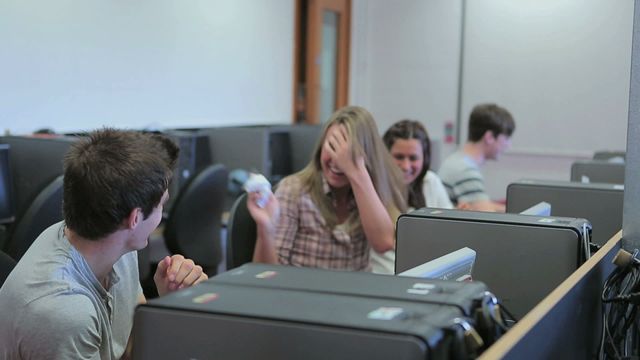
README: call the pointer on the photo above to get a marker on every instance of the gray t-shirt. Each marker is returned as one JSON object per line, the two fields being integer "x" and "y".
{"x": 53, "y": 306}
{"x": 462, "y": 178}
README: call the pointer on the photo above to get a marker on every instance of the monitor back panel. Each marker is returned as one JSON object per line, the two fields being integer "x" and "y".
{"x": 303, "y": 140}
{"x": 237, "y": 322}
{"x": 194, "y": 156}
{"x": 520, "y": 263}
{"x": 597, "y": 171}
{"x": 458, "y": 294}
{"x": 35, "y": 162}
{"x": 279, "y": 161}
{"x": 601, "y": 204}
{"x": 240, "y": 147}
{"x": 609, "y": 154}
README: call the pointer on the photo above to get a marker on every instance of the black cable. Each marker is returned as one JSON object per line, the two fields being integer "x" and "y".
{"x": 620, "y": 316}
{"x": 511, "y": 316}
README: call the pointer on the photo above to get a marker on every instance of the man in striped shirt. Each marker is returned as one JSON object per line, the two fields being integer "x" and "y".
{"x": 490, "y": 130}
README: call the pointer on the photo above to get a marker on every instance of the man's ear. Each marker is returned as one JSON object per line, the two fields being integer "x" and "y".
{"x": 134, "y": 218}
{"x": 488, "y": 137}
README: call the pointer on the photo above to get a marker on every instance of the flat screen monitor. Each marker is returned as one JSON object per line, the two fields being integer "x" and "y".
{"x": 320, "y": 314}
{"x": 457, "y": 265}
{"x": 35, "y": 162}
{"x": 279, "y": 162}
{"x": 540, "y": 209}
{"x": 521, "y": 258}
{"x": 598, "y": 171}
{"x": 609, "y": 154}
{"x": 302, "y": 141}
{"x": 601, "y": 204}
{"x": 7, "y": 206}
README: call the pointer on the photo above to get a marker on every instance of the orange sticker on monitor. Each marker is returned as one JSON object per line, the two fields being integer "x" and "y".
{"x": 266, "y": 274}
{"x": 205, "y": 298}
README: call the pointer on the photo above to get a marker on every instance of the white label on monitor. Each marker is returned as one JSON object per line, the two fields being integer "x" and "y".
{"x": 385, "y": 313}
{"x": 418, "y": 291}
{"x": 547, "y": 220}
{"x": 423, "y": 286}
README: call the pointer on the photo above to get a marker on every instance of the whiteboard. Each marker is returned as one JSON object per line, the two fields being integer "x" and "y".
{"x": 561, "y": 67}
{"x": 76, "y": 64}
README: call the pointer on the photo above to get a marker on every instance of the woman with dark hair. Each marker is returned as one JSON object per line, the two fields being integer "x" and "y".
{"x": 410, "y": 147}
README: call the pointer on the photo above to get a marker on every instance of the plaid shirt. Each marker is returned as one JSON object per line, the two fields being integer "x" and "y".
{"x": 303, "y": 238}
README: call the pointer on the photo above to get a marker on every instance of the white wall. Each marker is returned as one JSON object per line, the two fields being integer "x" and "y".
{"x": 560, "y": 66}
{"x": 74, "y": 64}
{"x": 405, "y": 60}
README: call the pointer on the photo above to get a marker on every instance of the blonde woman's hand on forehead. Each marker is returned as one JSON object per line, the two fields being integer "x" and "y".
{"x": 338, "y": 145}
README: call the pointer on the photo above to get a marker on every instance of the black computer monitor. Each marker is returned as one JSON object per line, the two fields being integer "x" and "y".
{"x": 597, "y": 171}
{"x": 35, "y": 162}
{"x": 303, "y": 139}
{"x": 194, "y": 156}
{"x": 7, "y": 205}
{"x": 521, "y": 258}
{"x": 279, "y": 161}
{"x": 609, "y": 154}
{"x": 601, "y": 204}
{"x": 320, "y": 314}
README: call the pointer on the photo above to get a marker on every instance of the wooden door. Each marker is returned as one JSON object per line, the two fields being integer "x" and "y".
{"x": 322, "y": 59}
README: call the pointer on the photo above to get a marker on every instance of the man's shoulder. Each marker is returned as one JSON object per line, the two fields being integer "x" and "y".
{"x": 66, "y": 310}
{"x": 59, "y": 325}
{"x": 457, "y": 159}
{"x": 455, "y": 166}
{"x": 45, "y": 285}
{"x": 59, "y": 312}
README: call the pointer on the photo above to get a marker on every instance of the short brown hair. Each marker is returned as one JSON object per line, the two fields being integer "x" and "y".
{"x": 490, "y": 117}
{"x": 109, "y": 173}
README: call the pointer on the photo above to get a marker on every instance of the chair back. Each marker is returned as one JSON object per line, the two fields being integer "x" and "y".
{"x": 6, "y": 265}
{"x": 193, "y": 226}
{"x": 241, "y": 234}
{"x": 44, "y": 211}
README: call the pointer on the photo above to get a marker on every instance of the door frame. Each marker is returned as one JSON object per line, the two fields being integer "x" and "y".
{"x": 307, "y": 48}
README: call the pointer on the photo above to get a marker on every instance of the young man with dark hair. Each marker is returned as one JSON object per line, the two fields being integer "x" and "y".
{"x": 490, "y": 130}
{"x": 73, "y": 294}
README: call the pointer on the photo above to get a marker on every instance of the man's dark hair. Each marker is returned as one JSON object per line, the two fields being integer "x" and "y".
{"x": 109, "y": 173}
{"x": 490, "y": 117}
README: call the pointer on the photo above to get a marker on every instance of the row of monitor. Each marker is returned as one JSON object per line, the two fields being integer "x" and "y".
{"x": 34, "y": 162}
{"x": 28, "y": 164}
{"x": 275, "y": 151}
{"x": 598, "y": 171}
{"x": 521, "y": 255}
